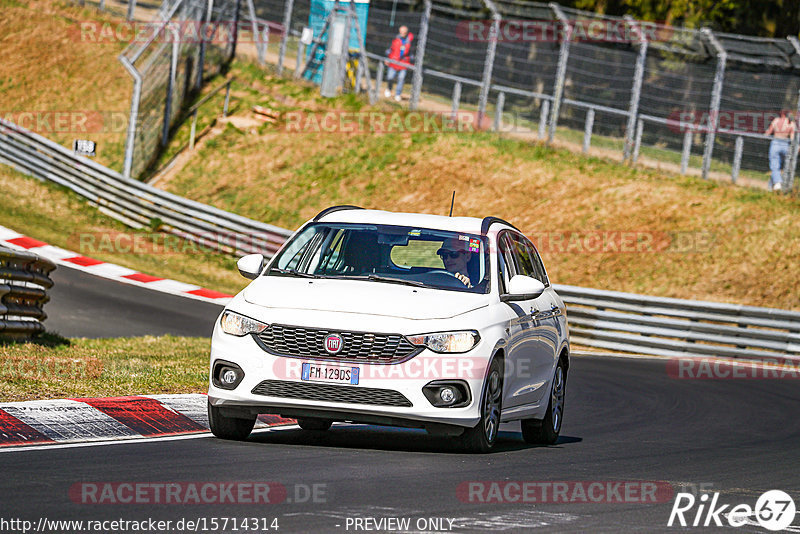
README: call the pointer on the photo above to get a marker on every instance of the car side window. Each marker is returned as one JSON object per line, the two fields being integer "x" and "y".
{"x": 508, "y": 267}
{"x": 528, "y": 259}
{"x": 538, "y": 265}
{"x": 523, "y": 257}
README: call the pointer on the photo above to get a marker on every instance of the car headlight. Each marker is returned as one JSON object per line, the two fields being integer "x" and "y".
{"x": 447, "y": 341}
{"x": 238, "y": 325}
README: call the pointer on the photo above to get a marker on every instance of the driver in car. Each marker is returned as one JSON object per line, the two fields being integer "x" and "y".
{"x": 456, "y": 256}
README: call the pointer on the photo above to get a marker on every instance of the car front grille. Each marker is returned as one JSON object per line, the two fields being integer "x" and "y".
{"x": 329, "y": 393}
{"x": 357, "y": 347}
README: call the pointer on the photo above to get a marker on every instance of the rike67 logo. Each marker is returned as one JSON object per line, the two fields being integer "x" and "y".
{"x": 774, "y": 510}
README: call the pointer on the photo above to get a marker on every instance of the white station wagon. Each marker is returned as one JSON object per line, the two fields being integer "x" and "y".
{"x": 443, "y": 323}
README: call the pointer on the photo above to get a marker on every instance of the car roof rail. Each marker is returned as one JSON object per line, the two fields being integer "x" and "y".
{"x": 332, "y": 209}
{"x": 488, "y": 221}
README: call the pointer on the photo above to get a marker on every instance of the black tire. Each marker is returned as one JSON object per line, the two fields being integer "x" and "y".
{"x": 311, "y": 423}
{"x": 225, "y": 427}
{"x": 482, "y": 437}
{"x": 545, "y": 431}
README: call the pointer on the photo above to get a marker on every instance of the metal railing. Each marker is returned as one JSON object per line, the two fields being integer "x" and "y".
{"x": 625, "y": 90}
{"x": 661, "y": 326}
{"x": 132, "y": 202}
{"x": 24, "y": 281}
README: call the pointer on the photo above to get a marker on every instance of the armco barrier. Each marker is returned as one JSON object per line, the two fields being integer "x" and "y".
{"x": 24, "y": 282}
{"x": 675, "y": 327}
{"x": 132, "y": 202}
{"x": 604, "y": 319}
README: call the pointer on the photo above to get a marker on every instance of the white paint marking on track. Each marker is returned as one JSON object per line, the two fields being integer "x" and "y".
{"x": 132, "y": 440}
{"x": 68, "y": 420}
{"x": 192, "y": 405}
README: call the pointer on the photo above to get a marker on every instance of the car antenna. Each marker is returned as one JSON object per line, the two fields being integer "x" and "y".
{"x": 452, "y": 201}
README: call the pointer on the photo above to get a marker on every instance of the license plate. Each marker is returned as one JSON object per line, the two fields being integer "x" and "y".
{"x": 313, "y": 372}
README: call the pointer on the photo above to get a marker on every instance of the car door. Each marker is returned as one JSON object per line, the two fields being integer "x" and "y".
{"x": 546, "y": 312}
{"x": 523, "y": 348}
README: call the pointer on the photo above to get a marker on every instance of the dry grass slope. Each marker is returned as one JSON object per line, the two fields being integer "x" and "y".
{"x": 698, "y": 239}
{"x": 46, "y": 66}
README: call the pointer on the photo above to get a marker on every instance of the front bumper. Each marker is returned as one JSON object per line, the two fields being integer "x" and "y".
{"x": 407, "y": 379}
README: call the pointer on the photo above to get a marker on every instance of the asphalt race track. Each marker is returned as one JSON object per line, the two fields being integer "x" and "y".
{"x": 83, "y": 305}
{"x": 626, "y": 420}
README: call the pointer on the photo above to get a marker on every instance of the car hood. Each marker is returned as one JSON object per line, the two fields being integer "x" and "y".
{"x": 361, "y": 297}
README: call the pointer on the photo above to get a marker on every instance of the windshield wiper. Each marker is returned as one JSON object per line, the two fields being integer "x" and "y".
{"x": 387, "y": 279}
{"x": 290, "y": 272}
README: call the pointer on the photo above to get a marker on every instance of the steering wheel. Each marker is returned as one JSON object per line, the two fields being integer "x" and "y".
{"x": 444, "y": 271}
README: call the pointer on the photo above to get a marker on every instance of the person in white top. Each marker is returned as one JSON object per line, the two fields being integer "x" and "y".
{"x": 781, "y": 129}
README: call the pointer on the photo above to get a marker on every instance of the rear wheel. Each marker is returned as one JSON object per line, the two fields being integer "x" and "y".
{"x": 546, "y": 431}
{"x": 311, "y": 423}
{"x": 226, "y": 427}
{"x": 482, "y": 437}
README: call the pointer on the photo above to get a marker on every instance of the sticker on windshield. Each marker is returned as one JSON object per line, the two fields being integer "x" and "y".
{"x": 474, "y": 245}
{"x": 463, "y": 238}
{"x": 415, "y": 232}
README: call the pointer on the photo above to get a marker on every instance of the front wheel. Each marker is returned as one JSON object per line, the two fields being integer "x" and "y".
{"x": 225, "y": 427}
{"x": 546, "y": 431}
{"x": 483, "y": 436}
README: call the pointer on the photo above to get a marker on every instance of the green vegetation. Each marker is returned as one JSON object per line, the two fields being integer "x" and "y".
{"x": 54, "y": 367}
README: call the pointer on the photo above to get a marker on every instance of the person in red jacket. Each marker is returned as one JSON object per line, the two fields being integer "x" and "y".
{"x": 400, "y": 51}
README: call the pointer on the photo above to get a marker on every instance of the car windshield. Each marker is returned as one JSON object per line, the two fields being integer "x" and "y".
{"x": 390, "y": 254}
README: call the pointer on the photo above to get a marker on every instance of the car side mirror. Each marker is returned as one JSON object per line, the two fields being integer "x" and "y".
{"x": 250, "y": 266}
{"x": 522, "y": 287}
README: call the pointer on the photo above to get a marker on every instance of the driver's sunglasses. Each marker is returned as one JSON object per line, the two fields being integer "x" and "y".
{"x": 451, "y": 254}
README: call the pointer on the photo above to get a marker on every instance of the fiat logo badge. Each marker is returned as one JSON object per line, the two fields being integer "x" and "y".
{"x": 334, "y": 343}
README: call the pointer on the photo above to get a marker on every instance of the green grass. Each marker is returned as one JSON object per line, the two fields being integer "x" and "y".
{"x": 53, "y": 367}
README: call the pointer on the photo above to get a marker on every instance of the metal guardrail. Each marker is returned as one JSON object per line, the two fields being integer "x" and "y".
{"x": 661, "y": 326}
{"x": 134, "y": 203}
{"x": 24, "y": 281}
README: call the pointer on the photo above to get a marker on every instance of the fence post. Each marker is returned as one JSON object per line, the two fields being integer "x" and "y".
{"x": 737, "y": 158}
{"x": 193, "y": 131}
{"x": 416, "y": 87}
{"x": 301, "y": 51}
{"x": 287, "y": 25}
{"x": 686, "y": 150}
{"x": 587, "y": 130}
{"x": 488, "y": 64}
{"x": 133, "y": 118}
{"x": 544, "y": 110}
{"x": 638, "y": 142}
{"x": 235, "y": 29}
{"x": 561, "y": 71}
{"x": 131, "y": 9}
{"x": 716, "y": 95}
{"x": 102, "y": 5}
{"x": 791, "y": 168}
{"x": 173, "y": 70}
{"x": 498, "y": 111}
{"x": 636, "y": 91}
{"x": 227, "y": 99}
{"x": 378, "y": 80}
{"x": 198, "y": 82}
{"x": 456, "y": 98}
{"x": 256, "y": 34}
